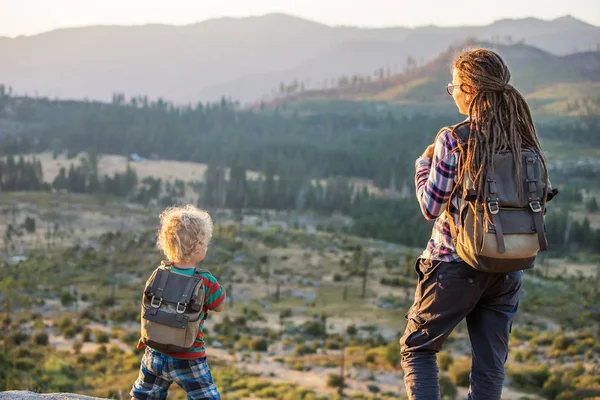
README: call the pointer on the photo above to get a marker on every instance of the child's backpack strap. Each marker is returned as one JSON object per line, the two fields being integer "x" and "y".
{"x": 159, "y": 283}
{"x": 198, "y": 301}
{"x": 199, "y": 271}
{"x": 186, "y": 296}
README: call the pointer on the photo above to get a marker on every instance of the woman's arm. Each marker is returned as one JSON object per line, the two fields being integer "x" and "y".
{"x": 434, "y": 177}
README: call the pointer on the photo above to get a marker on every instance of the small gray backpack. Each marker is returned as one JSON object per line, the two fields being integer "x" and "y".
{"x": 511, "y": 238}
{"x": 172, "y": 309}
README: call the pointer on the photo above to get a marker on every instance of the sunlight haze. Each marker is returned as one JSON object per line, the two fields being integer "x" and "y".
{"x": 28, "y": 17}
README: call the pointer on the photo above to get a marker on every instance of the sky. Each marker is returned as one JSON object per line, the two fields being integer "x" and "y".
{"x": 27, "y": 17}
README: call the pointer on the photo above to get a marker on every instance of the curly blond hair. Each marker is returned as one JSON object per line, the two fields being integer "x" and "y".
{"x": 183, "y": 232}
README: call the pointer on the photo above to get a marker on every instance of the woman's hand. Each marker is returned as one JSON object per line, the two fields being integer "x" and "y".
{"x": 428, "y": 153}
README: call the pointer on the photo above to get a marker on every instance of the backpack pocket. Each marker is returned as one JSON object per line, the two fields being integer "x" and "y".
{"x": 519, "y": 235}
{"x": 477, "y": 244}
{"x": 166, "y": 330}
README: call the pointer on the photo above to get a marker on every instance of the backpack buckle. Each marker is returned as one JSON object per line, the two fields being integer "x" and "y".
{"x": 494, "y": 206}
{"x": 180, "y": 310}
{"x": 155, "y": 305}
{"x": 536, "y": 207}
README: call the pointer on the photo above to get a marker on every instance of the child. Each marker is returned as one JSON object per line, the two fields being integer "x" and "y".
{"x": 183, "y": 238}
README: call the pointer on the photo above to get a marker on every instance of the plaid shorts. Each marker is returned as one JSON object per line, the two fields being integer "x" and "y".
{"x": 158, "y": 371}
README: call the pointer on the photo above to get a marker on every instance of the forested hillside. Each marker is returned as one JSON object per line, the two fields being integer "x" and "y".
{"x": 305, "y": 159}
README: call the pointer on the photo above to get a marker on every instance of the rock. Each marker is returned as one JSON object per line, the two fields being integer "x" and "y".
{"x": 23, "y": 395}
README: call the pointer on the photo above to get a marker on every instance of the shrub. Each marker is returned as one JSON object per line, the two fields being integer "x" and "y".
{"x": 351, "y": 330}
{"x": 29, "y": 224}
{"x": 529, "y": 378}
{"x": 518, "y": 356}
{"x": 447, "y": 388}
{"x": 561, "y": 342}
{"x": 373, "y": 388}
{"x": 86, "y": 335}
{"x": 392, "y": 354}
{"x": 67, "y": 298}
{"x": 17, "y": 338}
{"x": 25, "y": 364}
{"x": 130, "y": 337}
{"x": 77, "y": 345}
{"x": 396, "y": 281}
{"x": 444, "y": 360}
{"x": 298, "y": 366}
{"x": 102, "y": 337}
{"x": 459, "y": 372}
{"x": 522, "y": 334}
{"x": 313, "y": 328}
{"x": 544, "y": 339}
{"x": 63, "y": 323}
{"x": 553, "y": 386}
{"x": 70, "y": 332}
{"x": 243, "y": 343}
{"x": 259, "y": 344}
{"x": 334, "y": 381}
{"x": 303, "y": 349}
{"x": 285, "y": 313}
{"x": 371, "y": 357}
{"x": 40, "y": 338}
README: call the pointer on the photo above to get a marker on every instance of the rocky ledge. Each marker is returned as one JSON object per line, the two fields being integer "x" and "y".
{"x": 22, "y": 395}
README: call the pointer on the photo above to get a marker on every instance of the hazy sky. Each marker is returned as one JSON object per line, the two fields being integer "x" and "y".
{"x": 26, "y": 17}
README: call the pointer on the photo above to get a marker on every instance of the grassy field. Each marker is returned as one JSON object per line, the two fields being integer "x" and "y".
{"x": 319, "y": 307}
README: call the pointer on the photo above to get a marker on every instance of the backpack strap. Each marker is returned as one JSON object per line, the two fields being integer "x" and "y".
{"x": 535, "y": 203}
{"x": 158, "y": 286}
{"x": 494, "y": 209}
{"x": 186, "y": 295}
{"x": 450, "y": 219}
{"x": 199, "y": 271}
{"x": 462, "y": 132}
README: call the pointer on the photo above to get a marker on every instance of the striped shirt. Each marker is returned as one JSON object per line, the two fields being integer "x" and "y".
{"x": 434, "y": 188}
{"x": 214, "y": 295}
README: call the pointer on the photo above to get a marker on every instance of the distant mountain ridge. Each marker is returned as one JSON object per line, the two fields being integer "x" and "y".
{"x": 555, "y": 81}
{"x": 243, "y": 58}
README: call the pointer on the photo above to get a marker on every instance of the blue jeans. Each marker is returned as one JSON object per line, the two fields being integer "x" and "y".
{"x": 446, "y": 294}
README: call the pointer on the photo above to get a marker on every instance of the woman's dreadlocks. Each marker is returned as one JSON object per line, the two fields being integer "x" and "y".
{"x": 500, "y": 119}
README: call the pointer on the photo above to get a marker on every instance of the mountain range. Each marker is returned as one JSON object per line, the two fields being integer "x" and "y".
{"x": 246, "y": 59}
{"x": 536, "y": 73}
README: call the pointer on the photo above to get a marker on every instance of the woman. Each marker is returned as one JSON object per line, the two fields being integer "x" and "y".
{"x": 448, "y": 289}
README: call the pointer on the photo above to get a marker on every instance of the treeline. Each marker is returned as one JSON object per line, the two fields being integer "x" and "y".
{"x": 310, "y": 145}
{"x": 83, "y": 178}
{"x": 582, "y": 129}
{"x": 26, "y": 175}
{"x": 21, "y": 175}
{"x": 387, "y": 218}
{"x": 317, "y": 145}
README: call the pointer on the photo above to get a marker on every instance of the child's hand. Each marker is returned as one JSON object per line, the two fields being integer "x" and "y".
{"x": 220, "y": 308}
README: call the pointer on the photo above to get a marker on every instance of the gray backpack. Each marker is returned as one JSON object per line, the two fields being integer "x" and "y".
{"x": 172, "y": 307}
{"x": 515, "y": 234}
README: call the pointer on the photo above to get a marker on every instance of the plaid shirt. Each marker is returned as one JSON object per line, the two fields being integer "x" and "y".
{"x": 434, "y": 187}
